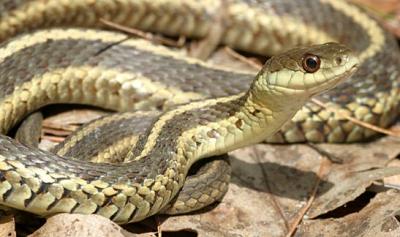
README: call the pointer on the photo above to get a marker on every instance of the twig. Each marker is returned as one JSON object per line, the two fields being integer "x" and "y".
{"x": 303, "y": 211}
{"x": 242, "y": 58}
{"x": 331, "y": 157}
{"x": 56, "y": 132}
{"x": 53, "y": 138}
{"x": 258, "y": 157}
{"x": 154, "y": 38}
{"x": 357, "y": 121}
{"x": 54, "y": 126}
{"x": 159, "y": 229}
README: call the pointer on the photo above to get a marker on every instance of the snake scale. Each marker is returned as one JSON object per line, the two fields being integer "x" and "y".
{"x": 219, "y": 110}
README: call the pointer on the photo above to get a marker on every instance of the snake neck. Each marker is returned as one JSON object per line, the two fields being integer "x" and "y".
{"x": 250, "y": 119}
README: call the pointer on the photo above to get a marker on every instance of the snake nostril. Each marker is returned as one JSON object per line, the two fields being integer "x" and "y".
{"x": 338, "y": 60}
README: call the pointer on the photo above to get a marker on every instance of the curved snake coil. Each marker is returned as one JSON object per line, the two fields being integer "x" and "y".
{"x": 111, "y": 70}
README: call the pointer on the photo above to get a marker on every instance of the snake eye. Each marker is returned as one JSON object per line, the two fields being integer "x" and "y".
{"x": 311, "y": 63}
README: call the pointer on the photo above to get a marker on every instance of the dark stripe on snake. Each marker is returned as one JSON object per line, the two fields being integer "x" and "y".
{"x": 187, "y": 77}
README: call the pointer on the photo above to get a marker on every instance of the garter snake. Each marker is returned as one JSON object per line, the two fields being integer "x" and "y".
{"x": 113, "y": 71}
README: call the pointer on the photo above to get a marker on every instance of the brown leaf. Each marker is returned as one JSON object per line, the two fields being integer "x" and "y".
{"x": 242, "y": 213}
{"x": 393, "y": 180}
{"x": 7, "y": 227}
{"x": 75, "y": 116}
{"x": 348, "y": 186}
{"x": 63, "y": 122}
{"x": 383, "y": 6}
{"x": 378, "y": 218}
{"x": 362, "y": 164}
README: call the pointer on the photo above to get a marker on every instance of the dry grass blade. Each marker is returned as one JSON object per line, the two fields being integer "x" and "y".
{"x": 258, "y": 157}
{"x": 56, "y": 133}
{"x": 144, "y": 35}
{"x": 67, "y": 127}
{"x": 243, "y": 58}
{"x": 53, "y": 138}
{"x": 321, "y": 173}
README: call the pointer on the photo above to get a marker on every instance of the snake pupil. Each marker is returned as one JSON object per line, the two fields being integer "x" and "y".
{"x": 311, "y": 63}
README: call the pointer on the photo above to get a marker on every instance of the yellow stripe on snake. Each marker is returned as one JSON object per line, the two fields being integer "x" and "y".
{"x": 221, "y": 110}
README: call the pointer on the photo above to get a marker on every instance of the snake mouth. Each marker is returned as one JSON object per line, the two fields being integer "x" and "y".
{"x": 334, "y": 81}
{"x": 319, "y": 87}
{"x": 347, "y": 74}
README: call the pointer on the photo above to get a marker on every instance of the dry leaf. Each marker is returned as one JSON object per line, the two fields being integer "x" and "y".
{"x": 362, "y": 164}
{"x": 378, "y": 218}
{"x": 75, "y": 116}
{"x": 393, "y": 180}
{"x": 7, "y": 227}
{"x": 383, "y": 6}
{"x": 349, "y": 185}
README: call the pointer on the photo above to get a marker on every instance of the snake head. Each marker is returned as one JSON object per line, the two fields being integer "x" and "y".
{"x": 305, "y": 71}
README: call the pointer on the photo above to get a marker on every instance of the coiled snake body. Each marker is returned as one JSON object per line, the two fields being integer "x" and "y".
{"x": 113, "y": 71}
